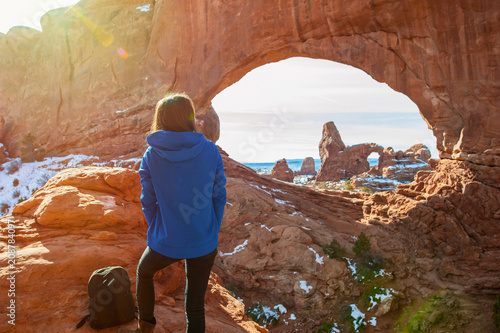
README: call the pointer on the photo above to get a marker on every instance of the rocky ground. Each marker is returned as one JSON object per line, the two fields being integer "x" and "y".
{"x": 272, "y": 254}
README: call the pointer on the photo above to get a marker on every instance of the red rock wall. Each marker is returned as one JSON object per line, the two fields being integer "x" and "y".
{"x": 444, "y": 55}
{"x": 65, "y": 85}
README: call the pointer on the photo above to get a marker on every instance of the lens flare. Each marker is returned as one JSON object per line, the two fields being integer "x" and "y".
{"x": 103, "y": 36}
{"x": 122, "y": 52}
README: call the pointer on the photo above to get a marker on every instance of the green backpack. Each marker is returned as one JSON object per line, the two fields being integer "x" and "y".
{"x": 110, "y": 300}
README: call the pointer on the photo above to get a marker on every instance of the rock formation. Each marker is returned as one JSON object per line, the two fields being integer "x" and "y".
{"x": 440, "y": 231}
{"x": 81, "y": 220}
{"x": 270, "y": 246}
{"x": 394, "y": 168}
{"x": 340, "y": 162}
{"x": 453, "y": 217}
{"x": 308, "y": 167}
{"x": 331, "y": 143}
{"x": 262, "y": 215}
{"x": 440, "y": 54}
{"x": 281, "y": 171}
{"x": 209, "y": 123}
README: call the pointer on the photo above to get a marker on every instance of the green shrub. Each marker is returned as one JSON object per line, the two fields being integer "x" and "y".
{"x": 334, "y": 250}
{"x": 366, "y": 189}
{"x": 371, "y": 261}
{"x": 369, "y": 267}
{"x": 348, "y": 185}
{"x": 327, "y": 327}
{"x": 362, "y": 245}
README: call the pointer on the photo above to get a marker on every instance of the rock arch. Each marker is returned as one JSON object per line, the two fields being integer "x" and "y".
{"x": 434, "y": 52}
{"x": 441, "y": 54}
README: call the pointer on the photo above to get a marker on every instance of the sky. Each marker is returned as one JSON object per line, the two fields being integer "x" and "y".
{"x": 27, "y": 12}
{"x": 278, "y": 110}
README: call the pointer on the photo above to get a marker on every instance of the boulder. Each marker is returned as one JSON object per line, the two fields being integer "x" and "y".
{"x": 81, "y": 220}
{"x": 403, "y": 166}
{"x": 281, "y": 171}
{"x": 420, "y": 151}
{"x": 208, "y": 124}
{"x": 308, "y": 167}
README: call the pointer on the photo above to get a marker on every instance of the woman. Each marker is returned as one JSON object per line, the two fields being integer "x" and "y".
{"x": 183, "y": 198}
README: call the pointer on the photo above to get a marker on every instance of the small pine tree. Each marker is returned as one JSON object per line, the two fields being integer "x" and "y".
{"x": 334, "y": 250}
{"x": 362, "y": 245}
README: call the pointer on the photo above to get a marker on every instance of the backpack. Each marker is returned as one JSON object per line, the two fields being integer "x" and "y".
{"x": 110, "y": 300}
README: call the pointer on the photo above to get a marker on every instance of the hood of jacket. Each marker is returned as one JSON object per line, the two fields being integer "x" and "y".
{"x": 177, "y": 146}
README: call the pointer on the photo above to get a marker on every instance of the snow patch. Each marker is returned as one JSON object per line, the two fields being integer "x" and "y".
{"x": 305, "y": 228}
{"x": 358, "y": 316}
{"x": 29, "y": 177}
{"x": 280, "y": 308}
{"x": 351, "y": 265}
{"x": 144, "y": 8}
{"x": 335, "y": 328}
{"x": 108, "y": 202}
{"x": 409, "y": 166}
{"x": 380, "y": 297}
{"x": 237, "y": 249}
{"x": 319, "y": 259}
{"x": 264, "y": 226}
{"x": 261, "y": 188}
{"x": 304, "y": 286}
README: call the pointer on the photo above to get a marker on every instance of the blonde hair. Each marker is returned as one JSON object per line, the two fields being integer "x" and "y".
{"x": 175, "y": 113}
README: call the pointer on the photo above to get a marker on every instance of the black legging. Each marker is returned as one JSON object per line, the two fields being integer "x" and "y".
{"x": 197, "y": 274}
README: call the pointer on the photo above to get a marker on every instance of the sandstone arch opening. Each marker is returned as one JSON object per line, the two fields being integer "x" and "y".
{"x": 278, "y": 110}
{"x": 373, "y": 158}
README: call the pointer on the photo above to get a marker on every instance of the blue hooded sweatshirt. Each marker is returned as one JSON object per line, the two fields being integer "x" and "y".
{"x": 183, "y": 194}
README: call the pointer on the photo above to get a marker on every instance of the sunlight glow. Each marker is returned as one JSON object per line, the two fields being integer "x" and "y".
{"x": 102, "y": 35}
